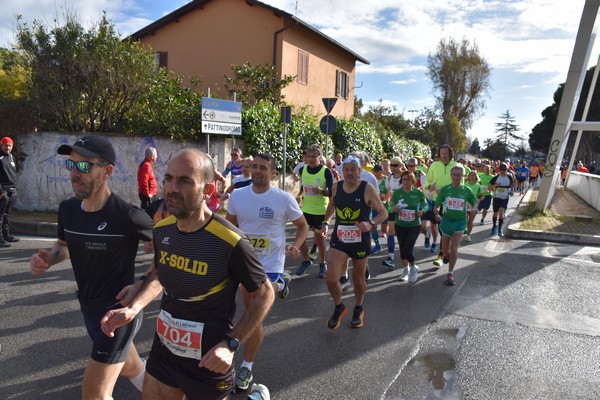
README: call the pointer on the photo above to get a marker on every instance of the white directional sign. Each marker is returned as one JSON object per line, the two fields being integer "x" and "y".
{"x": 221, "y": 116}
{"x": 221, "y": 127}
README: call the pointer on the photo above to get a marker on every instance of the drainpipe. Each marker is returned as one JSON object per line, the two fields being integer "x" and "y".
{"x": 277, "y": 32}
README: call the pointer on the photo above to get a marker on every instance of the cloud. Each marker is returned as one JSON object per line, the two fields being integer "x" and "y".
{"x": 403, "y": 82}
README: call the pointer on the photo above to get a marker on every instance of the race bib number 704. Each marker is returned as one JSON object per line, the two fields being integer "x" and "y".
{"x": 180, "y": 336}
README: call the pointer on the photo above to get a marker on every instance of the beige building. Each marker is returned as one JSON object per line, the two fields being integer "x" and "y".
{"x": 205, "y": 37}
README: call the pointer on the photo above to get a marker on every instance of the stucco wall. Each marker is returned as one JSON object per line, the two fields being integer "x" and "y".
{"x": 43, "y": 180}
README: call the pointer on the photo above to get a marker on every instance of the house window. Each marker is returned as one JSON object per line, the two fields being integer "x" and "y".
{"x": 160, "y": 58}
{"x": 341, "y": 84}
{"x": 302, "y": 76}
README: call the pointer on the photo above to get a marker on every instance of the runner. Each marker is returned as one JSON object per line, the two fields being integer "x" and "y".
{"x": 200, "y": 260}
{"x": 100, "y": 233}
{"x": 454, "y": 199}
{"x": 407, "y": 205}
{"x": 352, "y": 201}
{"x": 501, "y": 186}
{"x": 522, "y": 175}
{"x": 477, "y": 190}
{"x": 485, "y": 178}
{"x": 262, "y": 212}
{"x": 393, "y": 183}
{"x": 317, "y": 180}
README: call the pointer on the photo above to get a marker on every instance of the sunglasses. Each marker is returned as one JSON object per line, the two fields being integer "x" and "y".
{"x": 234, "y": 154}
{"x": 83, "y": 166}
{"x": 411, "y": 165}
{"x": 394, "y": 165}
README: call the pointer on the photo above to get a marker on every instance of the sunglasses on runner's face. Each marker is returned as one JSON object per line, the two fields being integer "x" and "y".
{"x": 394, "y": 165}
{"x": 83, "y": 166}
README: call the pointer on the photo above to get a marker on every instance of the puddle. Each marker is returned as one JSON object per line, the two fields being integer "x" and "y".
{"x": 440, "y": 369}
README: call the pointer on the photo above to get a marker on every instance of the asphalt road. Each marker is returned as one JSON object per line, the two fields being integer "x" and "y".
{"x": 523, "y": 322}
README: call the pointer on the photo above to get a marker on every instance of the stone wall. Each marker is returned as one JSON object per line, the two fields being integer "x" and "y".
{"x": 43, "y": 180}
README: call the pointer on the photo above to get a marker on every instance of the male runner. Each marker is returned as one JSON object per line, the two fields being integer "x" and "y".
{"x": 352, "y": 202}
{"x": 317, "y": 180}
{"x": 501, "y": 185}
{"x": 100, "y": 233}
{"x": 200, "y": 260}
{"x": 262, "y": 211}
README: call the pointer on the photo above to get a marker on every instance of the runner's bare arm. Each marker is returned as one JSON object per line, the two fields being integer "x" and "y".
{"x": 116, "y": 318}
{"x": 41, "y": 261}
{"x": 330, "y": 210}
{"x": 220, "y": 358}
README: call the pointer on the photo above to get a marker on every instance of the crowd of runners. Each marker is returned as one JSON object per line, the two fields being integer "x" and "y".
{"x": 201, "y": 259}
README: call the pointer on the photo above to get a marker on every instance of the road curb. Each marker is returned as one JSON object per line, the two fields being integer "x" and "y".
{"x": 44, "y": 229}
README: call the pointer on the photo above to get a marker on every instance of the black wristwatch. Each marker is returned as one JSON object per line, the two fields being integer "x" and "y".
{"x": 372, "y": 222}
{"x": 232, "y": 343}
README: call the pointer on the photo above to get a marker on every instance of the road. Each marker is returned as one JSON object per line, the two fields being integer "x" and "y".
{"x": 522, "y": 323}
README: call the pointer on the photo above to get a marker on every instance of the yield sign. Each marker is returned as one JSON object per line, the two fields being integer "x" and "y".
{"x": 329, "y": 102}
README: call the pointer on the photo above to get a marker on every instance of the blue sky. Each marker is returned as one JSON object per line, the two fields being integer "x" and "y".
{"x": 528, "y": 43}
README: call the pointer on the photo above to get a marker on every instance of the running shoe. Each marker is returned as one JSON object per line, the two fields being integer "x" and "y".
{"x": 344, "y": 281}
{"x": 339, "y": 313}
{"x": 244, "y": 378}
{"x": 259, "y": 392}
{"x": 445, "y": 260}
{"x": 312, "y": 255}
{"x": 412, "y": 277}
{"x": 494, "y": 230}
{"x": 482, "y": 222}
{"x": 303, "y": 267}
{"x": 468, "y": 238}
{"x": 358, "y": 317}
{"x": 383, "y": 234}
{"x": 427, "y": 240}
{"x": 376, "y": 248}
{"x": 438, "y": 262}
{"x": 500, "y": 233}
{"x": 286, "y": 286}
{"x": 404, "y": 276}
{"x": 322, "y": 270}
{"x": 389, "y": 262}
{"x": 450, "y": 280}
{"x": 367, "y": 274}
{"x": 434, "y": 248}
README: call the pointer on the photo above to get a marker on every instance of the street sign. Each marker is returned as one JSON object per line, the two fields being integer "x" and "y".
{"x": 221, "y": 127}
{"x": 221, "y": 116}
{"x": 328, "y": 124}
{"x": 329, "y": 102}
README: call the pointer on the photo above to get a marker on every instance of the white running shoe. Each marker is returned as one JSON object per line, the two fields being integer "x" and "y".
{"x": 404, "y": 276}
{"x": 259, "y": 392}
{"x": 414, "y": 270}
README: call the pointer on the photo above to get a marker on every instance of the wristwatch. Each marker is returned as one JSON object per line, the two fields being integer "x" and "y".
{"x": 232, "y": 343}
{"x": 372, "y": 222}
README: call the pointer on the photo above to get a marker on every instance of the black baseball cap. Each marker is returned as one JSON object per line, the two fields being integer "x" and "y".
{"x": 503, "y": 167}
{"x": 91, "y": 146}
{"x": 377, "y": 167}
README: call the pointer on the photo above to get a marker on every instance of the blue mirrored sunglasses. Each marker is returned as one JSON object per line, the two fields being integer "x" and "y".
{"x": 82, "y": 166}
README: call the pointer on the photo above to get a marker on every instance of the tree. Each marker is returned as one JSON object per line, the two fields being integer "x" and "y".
{"x": 83, "y": 80}
{"x": 255, "y": 83}
{"x": 475, "y": 147}
{"x": 461, "y": 80}
{"x": 15, "y": 107}
{"x": 507, "y": 132}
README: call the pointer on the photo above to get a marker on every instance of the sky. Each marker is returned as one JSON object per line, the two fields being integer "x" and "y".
{"x": 527, "y": 43}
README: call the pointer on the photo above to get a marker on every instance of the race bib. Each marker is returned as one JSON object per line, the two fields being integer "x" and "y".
{"x": 455, "y": 204}
{"x": 349, "y": 234}
{"x": 406, "y": 215}
{"x": 500, "y": 190}
{"x": 261, "y": 244}
{"x": 182, "y": 337}
{"x": 311, "y": 190}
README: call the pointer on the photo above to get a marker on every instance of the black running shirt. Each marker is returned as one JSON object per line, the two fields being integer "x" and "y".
{"x": 200, "y": 273}
{"x": 102, "y": 246}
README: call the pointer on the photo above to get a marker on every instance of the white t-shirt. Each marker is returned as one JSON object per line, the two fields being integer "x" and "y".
{"x": 263, "y": 218}
{"x": 392, "y": 183}
{"x": 370, "y": 178}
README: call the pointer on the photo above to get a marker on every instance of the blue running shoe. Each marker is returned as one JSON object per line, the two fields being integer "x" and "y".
{"x": 500, "y": 233}
{"x": 494, "y": 230}
{"x": 427, "y": 240}
{"x": 434, "y": 248}
{"x": 389, "y": 262}
{"x": 376, "y": 248}
{"x": 303, "y": 267}
{"x": 322, "y": 270}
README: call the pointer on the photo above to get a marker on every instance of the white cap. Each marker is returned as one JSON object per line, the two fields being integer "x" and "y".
{"x": 352, "y": 160}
